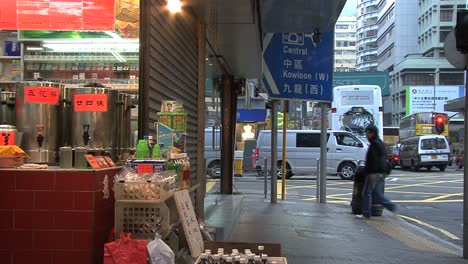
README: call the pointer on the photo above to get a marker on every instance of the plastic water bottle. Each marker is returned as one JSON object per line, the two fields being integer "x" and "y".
{"x": 204, "y": 259}
{"x": 156, "y": 151}
{"x": 250, "y": 259}
{"x": 142, "y": 150}
{"x": 261, "y": 249}
{"x": 265, "y": 259}
{"x": 257, "y": 260}
{"x": 217, "y": 259}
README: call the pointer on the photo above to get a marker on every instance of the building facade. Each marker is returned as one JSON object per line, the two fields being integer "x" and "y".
{"x": 345, "y": 44}
{"x": 367, "y": 27}
{"x": 396, "y": 38}
{"x": 428, "y": 66}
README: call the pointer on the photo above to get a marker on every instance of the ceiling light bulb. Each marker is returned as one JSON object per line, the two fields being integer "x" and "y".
{"x": 174, "y": 6}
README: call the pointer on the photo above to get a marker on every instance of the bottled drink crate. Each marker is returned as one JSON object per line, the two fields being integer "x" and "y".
{"x": 143, "y": 219}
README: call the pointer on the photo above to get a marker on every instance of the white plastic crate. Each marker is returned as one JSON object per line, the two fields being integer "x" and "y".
{"x": 143, "y": 219}
{"x": 153, "y": 191}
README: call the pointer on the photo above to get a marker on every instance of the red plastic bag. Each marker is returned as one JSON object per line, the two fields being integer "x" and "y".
{"x": 127, "y": 251}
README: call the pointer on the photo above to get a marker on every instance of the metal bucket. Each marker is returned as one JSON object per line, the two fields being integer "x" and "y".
{"x": 8, "y": 135}
{"x": 7, "y": 108}
{"x": 38, "y": 122}
{"x": 90, "y": 127}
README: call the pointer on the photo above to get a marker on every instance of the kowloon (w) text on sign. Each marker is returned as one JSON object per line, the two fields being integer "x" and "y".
{"x": 294, "y": 67}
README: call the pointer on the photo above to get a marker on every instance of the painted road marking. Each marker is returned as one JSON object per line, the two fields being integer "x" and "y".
{"x": 443, "y": 197}
{"x": 443, "y": 231}
{"x": 210, "y": 185}
{"x": 392, "y": 179}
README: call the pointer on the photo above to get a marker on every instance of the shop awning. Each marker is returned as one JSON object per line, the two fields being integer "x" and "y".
{"x": 455, "y": 105}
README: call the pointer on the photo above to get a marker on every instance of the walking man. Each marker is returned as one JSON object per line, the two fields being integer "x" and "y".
{"x": 375, "y": 170}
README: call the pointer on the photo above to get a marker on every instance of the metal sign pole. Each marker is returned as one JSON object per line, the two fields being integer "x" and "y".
{"x": 465, "y": 176}
{"x": 323, "y": 153}
{"x": 285, "y": 128}
{"x": 274, "y": 150}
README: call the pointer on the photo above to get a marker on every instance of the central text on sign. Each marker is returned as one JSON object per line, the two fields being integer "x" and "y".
{"x": 295, "y": 50}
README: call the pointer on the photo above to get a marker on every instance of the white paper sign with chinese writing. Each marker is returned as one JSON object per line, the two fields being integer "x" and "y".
{"x": 189, "y": 222}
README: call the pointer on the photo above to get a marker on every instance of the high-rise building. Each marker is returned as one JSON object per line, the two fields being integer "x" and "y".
{"x": 368, "y": 13}
{"x": 428, "y": 66}
{"x": 345, "y": 44}
{"x": 397, "y": 32}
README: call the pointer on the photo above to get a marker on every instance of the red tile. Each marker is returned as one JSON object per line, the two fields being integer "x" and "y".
{"x": 74, "y": 181}
{"x": 72, "y": 257}
{"x": 74, "y": 220}
{"x": 32, "y": 256}
{"x": 6, "y": 220}
{"x": 41, "y": 220}
{"x": 6, "y": 257}
{"x": 16, "y": 239}
{"x": 7, "y": 238}
{"x": 83, "y": 201}
{"x": 54, "y": 200}
{"x": 55, "y": 240}
{"x": 23, "y": 239}
{"x": 104, "y": 218}
{"x": 35, "y": 180}
{"x": 16, "y": 200}
{"x": 83, "y": 240}
{"x": 7, "y": 180}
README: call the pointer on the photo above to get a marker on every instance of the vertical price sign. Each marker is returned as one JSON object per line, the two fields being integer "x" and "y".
{"x": 41, "y": 95}
{"x": 90, "y": 102}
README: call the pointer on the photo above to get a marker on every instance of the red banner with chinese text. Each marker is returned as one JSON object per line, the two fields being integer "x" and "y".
{"x": 57, "y": 14}
{"x": 90, "y": 102}
{"x": 41, "y": 95}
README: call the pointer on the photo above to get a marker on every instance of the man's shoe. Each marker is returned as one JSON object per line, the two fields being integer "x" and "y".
{"x": 362, "y": 216}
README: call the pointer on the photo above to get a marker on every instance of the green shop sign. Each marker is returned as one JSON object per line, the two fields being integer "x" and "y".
{"x": 379, "y": 78}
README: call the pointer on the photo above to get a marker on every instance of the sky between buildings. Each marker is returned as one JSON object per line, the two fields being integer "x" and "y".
{"x": 350, "y": 8}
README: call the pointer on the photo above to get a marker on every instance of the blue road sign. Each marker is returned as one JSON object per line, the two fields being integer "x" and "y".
{"x": 294, "y": 67}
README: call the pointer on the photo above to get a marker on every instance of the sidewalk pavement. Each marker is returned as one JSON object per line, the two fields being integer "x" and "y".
{"x": 325, "y": 233}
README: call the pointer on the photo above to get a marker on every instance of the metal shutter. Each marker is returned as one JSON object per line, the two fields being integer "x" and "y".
{"x": 168, "y": 68}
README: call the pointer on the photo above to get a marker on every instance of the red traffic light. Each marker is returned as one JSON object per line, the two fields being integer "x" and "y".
{"x": 439, "y": 124}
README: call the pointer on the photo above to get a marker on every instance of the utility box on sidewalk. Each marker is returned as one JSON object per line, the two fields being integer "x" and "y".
{"x": 238, "y": 163}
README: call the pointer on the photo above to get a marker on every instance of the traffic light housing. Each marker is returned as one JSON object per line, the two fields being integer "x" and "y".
{"x": 461, "y": 31}
{"x": 439, "y": 124}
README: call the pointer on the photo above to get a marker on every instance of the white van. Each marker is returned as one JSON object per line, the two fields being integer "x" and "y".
{"x": 425, "y": 151}
{"x": 303, "y": 148}
{"x": 213, "y": 152}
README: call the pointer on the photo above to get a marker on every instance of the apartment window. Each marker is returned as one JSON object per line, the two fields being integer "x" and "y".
{"x": 342, "y": 26}
{"x": 446, "y": 15}
{"x": 443, "y": 35}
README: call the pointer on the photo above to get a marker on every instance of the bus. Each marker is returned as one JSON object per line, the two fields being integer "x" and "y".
{"x": 391, "y": 135}
{"x": 421, "y": 124}
{"x": 355, "y": 107}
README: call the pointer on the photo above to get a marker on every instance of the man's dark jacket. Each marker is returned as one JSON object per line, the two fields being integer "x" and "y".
{"x": 376, "y": 157}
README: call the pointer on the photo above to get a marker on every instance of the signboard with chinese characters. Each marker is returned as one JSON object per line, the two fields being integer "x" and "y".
{"x": 295, "y": 67}
{"x": 41, "y": 95}
{"x": 189, "y": 222}
{"x": 90, "y": 102}
{"x": 7, "y": 138}
{"x": 92, "y": 161}
{"x": 57, "y": 15}
{"x": 357, "y": 98}
{"x": 425, "y": 99}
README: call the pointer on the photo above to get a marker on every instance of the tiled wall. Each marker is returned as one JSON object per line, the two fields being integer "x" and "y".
{"x": 54, "y": 217}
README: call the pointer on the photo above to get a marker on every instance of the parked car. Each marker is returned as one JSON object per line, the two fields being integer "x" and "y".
{"x": 344, "y": 150}
{"x": 213, "y": 152}
{"x": 425, "y": 151}
{"x": 393, "y": 155}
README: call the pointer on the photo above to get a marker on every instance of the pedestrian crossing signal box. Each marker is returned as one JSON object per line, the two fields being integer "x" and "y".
{"x": 439, "y": 124}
